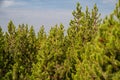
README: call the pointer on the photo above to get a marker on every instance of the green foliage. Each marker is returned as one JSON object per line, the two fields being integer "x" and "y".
{"x": 2, "y": 43}
{"x": 50, "y": 56}
{"x": 117, "y": 11}
{"x": 89, "y": 51}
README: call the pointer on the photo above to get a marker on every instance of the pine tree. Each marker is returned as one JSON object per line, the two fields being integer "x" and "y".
{"x": 31, "y": 53}
{"x": 26, "y": 51}
{"x": 9, "y": 51}
{"x": 50, "y": 57}
{"x": 2, "y": 62}
{"x": 82, "y": 31}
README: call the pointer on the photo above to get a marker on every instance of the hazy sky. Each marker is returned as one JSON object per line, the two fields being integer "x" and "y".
{"x": 46, "y": 12}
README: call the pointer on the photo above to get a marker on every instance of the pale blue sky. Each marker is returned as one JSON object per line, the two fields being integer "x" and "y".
{"x": 46, "y": 12}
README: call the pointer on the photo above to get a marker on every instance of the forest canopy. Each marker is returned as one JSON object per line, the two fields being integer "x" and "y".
{"x": 90, "y": 50}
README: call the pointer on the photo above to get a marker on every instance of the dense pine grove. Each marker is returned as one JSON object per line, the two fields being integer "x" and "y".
{"x": 90, "y": 50}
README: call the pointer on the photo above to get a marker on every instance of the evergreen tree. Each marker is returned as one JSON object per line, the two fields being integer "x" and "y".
{"x": 50, "y": 57}
{"x": 2, "y": 44}
{"x": 26, "y": 46}
{"x": 9, "y": 52}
